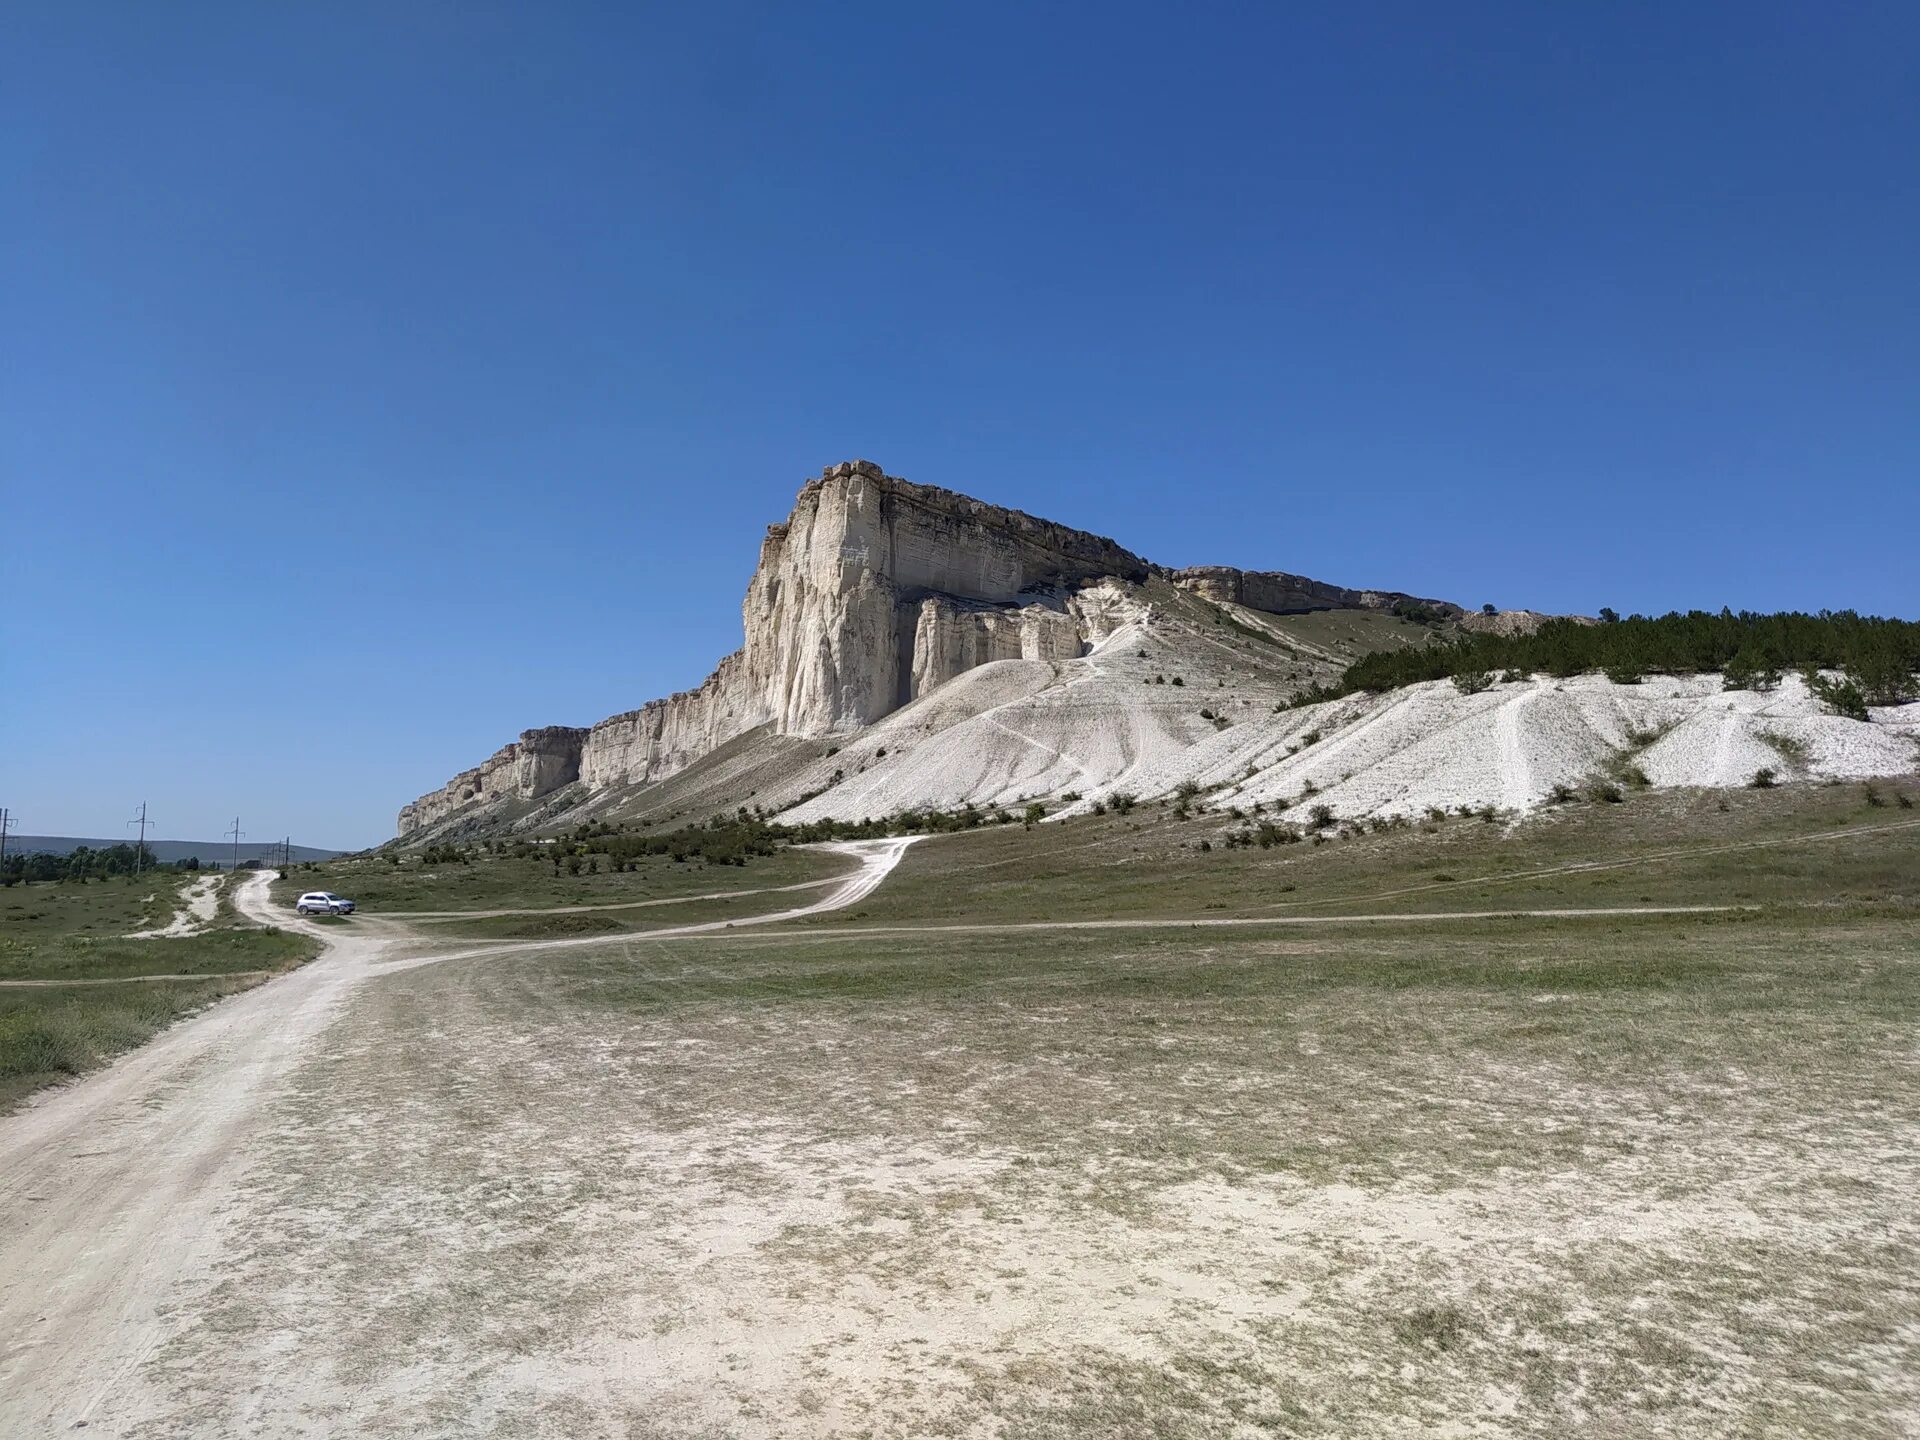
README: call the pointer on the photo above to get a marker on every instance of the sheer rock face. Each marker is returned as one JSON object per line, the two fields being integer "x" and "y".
{"x": 873, "y": 591}
{"x": 538, "y": 763}
{"x": 951, "y": 637}
{"x": 835, "y": 616}
{"x": 1515, "y": 622}
{"x": 1279, "y": 593}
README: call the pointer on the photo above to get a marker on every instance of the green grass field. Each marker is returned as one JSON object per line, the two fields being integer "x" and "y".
{"x": 1657, "y": 848}
{"x": 99, "y": 907}
{"x": 500, "y": 883}
{"x": 74, "y": 992}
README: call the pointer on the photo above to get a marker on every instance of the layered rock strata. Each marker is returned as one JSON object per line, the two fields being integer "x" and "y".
{"x": 537, "y": 764}
{"x": 1279, "y": 593}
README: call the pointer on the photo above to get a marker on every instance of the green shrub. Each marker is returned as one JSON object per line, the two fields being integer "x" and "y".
{"x": 1750, "y": 669}
{"x": 1841, "y": 697}
{"x": 1693, "y": 643}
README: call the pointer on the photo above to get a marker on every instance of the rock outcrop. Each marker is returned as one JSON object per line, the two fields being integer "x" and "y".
{"x": 1514, "y": 622}
{"x": 873, "y": 591}
{"x": 1279, "y": 593}
{"x": 538, "y": 763}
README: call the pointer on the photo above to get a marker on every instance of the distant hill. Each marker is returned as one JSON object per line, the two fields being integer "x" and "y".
{"x": 166, "y": 851}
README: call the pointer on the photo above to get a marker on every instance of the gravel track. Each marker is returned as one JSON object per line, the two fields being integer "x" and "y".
{"x": 117, "y": 1192}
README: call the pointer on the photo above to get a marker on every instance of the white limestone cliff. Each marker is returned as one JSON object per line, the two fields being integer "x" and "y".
{"x": 873, "y": 591}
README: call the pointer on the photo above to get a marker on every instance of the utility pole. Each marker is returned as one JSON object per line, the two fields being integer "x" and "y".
{"x": 236, "y": 833}
{"x": 140, "y": 855}
{"x": 6, "y": 818}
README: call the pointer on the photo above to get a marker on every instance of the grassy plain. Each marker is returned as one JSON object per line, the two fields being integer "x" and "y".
{"x": 1656, "y": 848}
{"x": 75, "y": 992}
{"x": 492, "y": 883}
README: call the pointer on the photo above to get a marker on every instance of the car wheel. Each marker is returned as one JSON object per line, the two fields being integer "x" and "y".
{"x": 301, "y": 908}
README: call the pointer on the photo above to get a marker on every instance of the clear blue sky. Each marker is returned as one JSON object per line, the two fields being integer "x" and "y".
{"x": 382, "y": 379}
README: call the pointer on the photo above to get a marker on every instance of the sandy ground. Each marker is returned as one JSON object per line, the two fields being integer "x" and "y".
{"x": 115, "y": 1192}
{"x": 199, "y": 905}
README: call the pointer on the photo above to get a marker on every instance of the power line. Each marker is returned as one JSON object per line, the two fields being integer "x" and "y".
{"x": 139, "y": 856}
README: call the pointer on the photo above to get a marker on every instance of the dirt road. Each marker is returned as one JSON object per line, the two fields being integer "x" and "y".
{"x": 114, "y": 1193}
{"x": 109, "y": 1189}
{"x": 197, "y": 908}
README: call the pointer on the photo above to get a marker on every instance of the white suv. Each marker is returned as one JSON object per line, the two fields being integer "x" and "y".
{"x": 323, "y": 902}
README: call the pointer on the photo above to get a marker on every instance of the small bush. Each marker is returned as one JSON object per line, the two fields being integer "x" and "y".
{"x": 1605, "y": 792}
{"x": 1436, "y": 1327}
{"x": 1841, "y": 697}
{"x": 1764, "y": 778}
{"x": 1472, "y": 682}
{"x": 1320, "y": 816}
{"x": 1750, "y": 669}
{"x": 1790, "y": 747}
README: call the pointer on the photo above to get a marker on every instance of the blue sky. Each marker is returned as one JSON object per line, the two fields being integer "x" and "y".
{"x": 381, "y": 380}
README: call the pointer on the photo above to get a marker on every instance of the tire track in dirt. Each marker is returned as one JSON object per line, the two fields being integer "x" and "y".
{"x": 620, "y": 905}
{"x": 1225, "y": 922}
{"x": 1516, "y": 776}
{"x": 877, "y": 859}
{"x": 115, "y": 1192}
